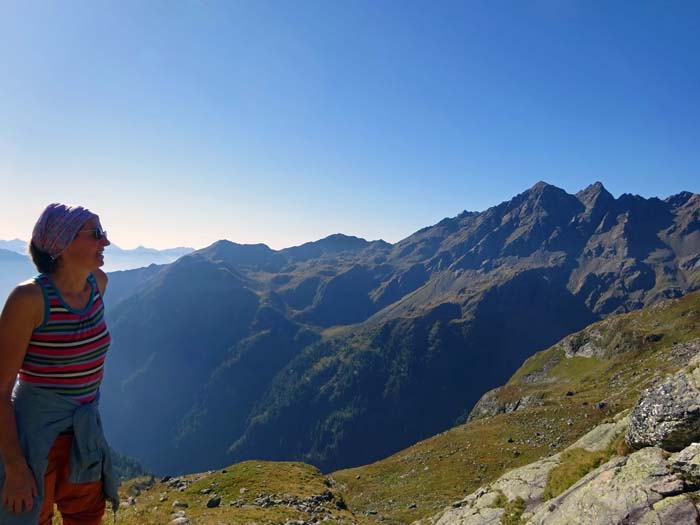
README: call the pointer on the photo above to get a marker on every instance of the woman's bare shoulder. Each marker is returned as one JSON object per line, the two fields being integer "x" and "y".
{"x": 28, "y": 290}
{"x": 23, "y": 312}
{"x": 102, "y": 280}
{"x": 26, "y": 297}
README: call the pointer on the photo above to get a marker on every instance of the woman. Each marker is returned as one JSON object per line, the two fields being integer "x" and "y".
{"x": 53, "y": 341}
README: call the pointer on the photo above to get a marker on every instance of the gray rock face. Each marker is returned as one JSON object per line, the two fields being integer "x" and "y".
{"x": 527, "y": 482}
{"x": 668, "y": 415}
{"x": 687, "y": 462}
{"x": 477, "y": 509}
{"x": 490, "y": 404}
{"x": 584, "y": 344}
{"x": 624, "y": 490}
{"x": 475, "y": 516}
{"x": 602, "y": 436}
{"x": 675, "y": 510}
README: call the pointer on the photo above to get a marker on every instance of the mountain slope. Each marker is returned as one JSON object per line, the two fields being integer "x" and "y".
{"x": 555, "y": 397}
{"x": 571, "y": 395}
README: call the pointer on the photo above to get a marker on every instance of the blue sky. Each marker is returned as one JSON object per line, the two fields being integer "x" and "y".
{"x": 282, "y": 122}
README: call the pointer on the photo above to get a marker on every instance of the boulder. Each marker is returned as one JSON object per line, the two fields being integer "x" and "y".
{"x": 668, "y": 415}
{"x": 480, "y": 516}
{"x": 687, "y": 462}
{"x": 623, "y": 490}
{"x": 602, "y": 436}
{"x": 675, "y": 510}
{"x": 527, "y": 482}
{"x": 477, "y": 509}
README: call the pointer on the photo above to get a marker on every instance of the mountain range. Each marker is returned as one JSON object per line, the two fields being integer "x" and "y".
{"x": 16, "y": 266}
{"x": 342, "y": 351}
{"x": 117, "y": 258}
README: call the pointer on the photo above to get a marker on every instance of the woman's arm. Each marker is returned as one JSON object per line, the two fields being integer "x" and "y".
{"x": 23, "y": 312}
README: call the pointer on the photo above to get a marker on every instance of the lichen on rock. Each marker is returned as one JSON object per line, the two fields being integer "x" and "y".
{"x": 668, "y": 415}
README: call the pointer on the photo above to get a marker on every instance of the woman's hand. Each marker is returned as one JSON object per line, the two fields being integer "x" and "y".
{"x": 20, "y": 488}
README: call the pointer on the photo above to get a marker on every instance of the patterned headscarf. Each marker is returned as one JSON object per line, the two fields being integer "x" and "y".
{"x": 57, "y": 226}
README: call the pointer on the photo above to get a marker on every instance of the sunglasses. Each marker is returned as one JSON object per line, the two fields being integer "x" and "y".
{"x": 98, "y": 233}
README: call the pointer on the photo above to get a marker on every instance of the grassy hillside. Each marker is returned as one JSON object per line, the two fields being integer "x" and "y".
{"x": 249, "y": 492}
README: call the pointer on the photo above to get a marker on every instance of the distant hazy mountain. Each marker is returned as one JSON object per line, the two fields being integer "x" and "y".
{"x": 16, "y": 245}
{"x": 14, "y": 268}
{"x": 342, "y": 351}
{"x": 117, "y": 258}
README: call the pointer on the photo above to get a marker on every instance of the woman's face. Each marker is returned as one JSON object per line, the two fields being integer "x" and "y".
{"x": 85, "y": 250}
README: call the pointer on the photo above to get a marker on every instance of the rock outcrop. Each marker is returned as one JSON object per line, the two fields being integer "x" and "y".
{"x": 526, "y": 483}
{"x": 668, "y": 415}
{"x": 648, "y": 486}
{"x": 630, "y": 489}
{"x": 491, "y": 404}
{"x": 687, "y": 462}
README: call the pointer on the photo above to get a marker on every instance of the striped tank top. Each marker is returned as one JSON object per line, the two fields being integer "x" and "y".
{"x": 66, "y": 353}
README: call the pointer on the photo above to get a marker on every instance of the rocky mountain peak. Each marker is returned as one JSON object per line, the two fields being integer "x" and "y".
{"x": 340, "y": 240}
{"x": 224, "y": 244}
{"x": 682, "y": 198}
{"x": 543, "y": 199}
{"x": 236, "y": 253}
{"x": 597, "y": 202}
{"x": 334, "y": 243}
{"x": 545, "y": 193}
{"x": 540, "y": 186}
{"x": 595, "y": 195}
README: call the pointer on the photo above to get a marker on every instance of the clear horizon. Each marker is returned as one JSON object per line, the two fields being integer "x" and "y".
{"x": 340, "y": 232}
{"x": 184, "y": 123}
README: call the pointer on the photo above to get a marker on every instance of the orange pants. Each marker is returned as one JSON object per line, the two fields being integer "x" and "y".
{"x": 79, "y": 503}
